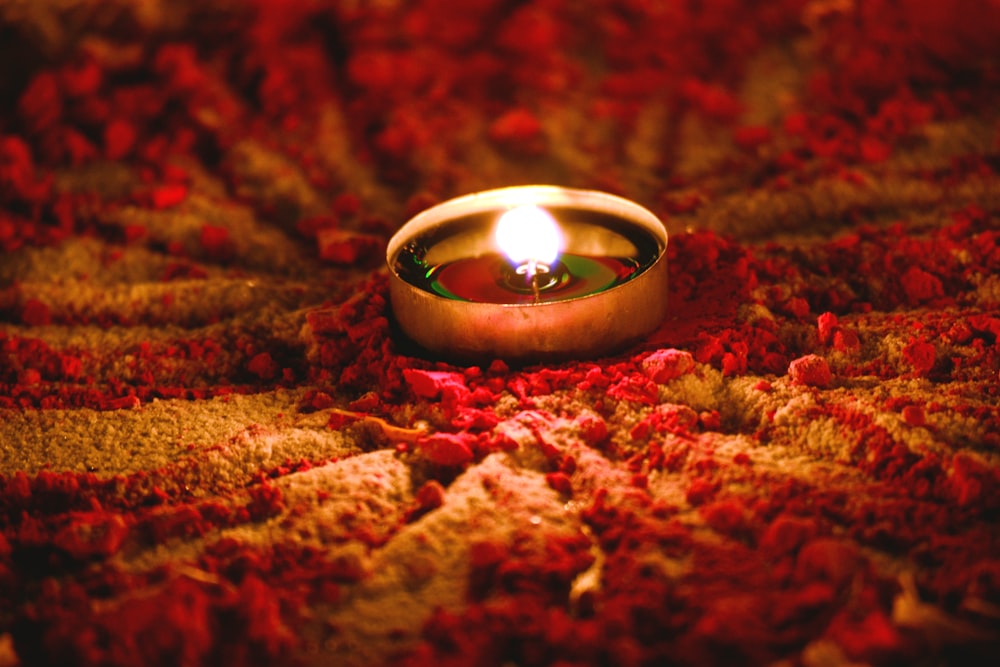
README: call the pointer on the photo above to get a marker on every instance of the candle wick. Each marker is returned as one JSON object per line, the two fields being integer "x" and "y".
{"x": 531, "y": 271}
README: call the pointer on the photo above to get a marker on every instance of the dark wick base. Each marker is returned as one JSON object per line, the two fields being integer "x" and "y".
{"x": 545, "y": 279}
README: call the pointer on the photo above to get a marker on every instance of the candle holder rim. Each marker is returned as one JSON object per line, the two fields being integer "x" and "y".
{"x": 436, "y": 214}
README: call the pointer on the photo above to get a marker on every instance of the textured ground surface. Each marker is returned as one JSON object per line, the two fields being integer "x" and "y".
{"x": 215, "y": 450}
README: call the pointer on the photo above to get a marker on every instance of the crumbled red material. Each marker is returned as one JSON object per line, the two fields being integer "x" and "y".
{"x": 593, "y": 429}
{"x": 870, "y": 638}
{"x": 449, "y": 449}
{"x": 920, "y": 286}
{"x": 119, "y": 139}
{"x": 263, "y": 366}
{"x": 846, "y": 341}
{"x": 344, "y": 247}
{"x": 920, "y": 354}
{"x": 429, "y": 497}
{"x": 35, "y": 313}
{"x": 665, "y": 365}
{"x": 810, "y": 370}
{"x": 215, "y": 241}
{"x": 913, "y": 415}
{"x": 751, "y": 137}
{"x": 435, "y": 384}
{"x": 518, "y": 126}
{"x": 168, "y": 195}
{"x": 560, "y": 482}
{"x": 826, "y": 327}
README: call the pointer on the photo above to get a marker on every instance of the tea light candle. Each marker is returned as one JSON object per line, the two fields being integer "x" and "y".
{"x": 529, "y": 273}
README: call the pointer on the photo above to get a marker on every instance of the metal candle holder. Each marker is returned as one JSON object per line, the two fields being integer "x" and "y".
{"x": 598, "y": 228}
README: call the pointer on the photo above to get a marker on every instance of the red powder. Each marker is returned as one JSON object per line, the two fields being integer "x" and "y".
{"x": 560, "y": 482}
{"x": 700, "y": 491}
{"x": 871, "y": 638}
{"x": 215, "y": 241}
{"x": 919, "y": 286}
{"x": 810, "y": 370}
{"x": 874, "y": 150}
{"x": 787, "y": 533}
{"x": 431, "y": 384}
{"x": 913, "y": 415}
{"x": 483, "y": 554}
{"x": 593, "y": 429}
{"x": 826, "y": 325}
{"x": 920, "y": 354}
{"x": 517, "y": 127}
{"x": 429, "y": 497}
{"x": 752, "y": 136}
{"x": 846, "y": 341}
{"x": 168, "y": 195}
{"x": 343, "y": 247}
{"x": 665, "y": 365}
{"x": 35, "y": 313}
{"x": 448, "y": 449}
{"x": 40, "y": 106}
{"x": 828, "y": 559}
{"x": 81, "y": 78}
{"x": 119, "y": 139}
{"x": 263, "y": 366}
{"x": 724, "y": 516}
{"x": 29, "y": 376}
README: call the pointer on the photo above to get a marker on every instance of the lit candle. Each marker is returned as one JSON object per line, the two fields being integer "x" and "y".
{"x": 530, "y": 238}
{"x": 529, "y": 273}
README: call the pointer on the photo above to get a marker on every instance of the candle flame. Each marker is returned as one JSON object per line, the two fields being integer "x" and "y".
{"x": 530, "y": 237}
